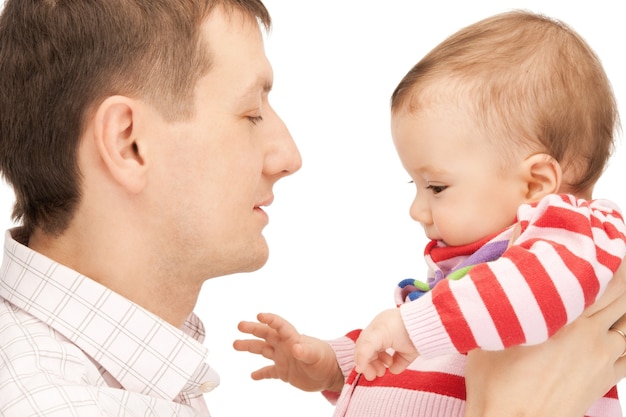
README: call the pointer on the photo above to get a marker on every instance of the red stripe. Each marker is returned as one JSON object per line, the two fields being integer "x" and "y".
{"x": 443, "y": 253}
{"x": 595, "y": 221}
{"x": 450, "y": 314}
{"x": 611, "y": 231}
{"x": 583, "y": 271}
{"x": 569, "y": 199}
{"x": 354, "y": 335}
{"x": 497, "y": 303}
{"x": 435, "y": 382}
{"x": 608, "y": 259}
{"x": 541, "y": 286}
{"x": 612, "y": 393}
{"x": 567, "y": 219}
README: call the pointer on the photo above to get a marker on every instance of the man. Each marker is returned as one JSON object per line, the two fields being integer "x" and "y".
{"x": 141, "y": 146}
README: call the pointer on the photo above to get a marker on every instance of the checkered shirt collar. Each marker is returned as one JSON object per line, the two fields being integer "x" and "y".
{"x": 141, "y": 351}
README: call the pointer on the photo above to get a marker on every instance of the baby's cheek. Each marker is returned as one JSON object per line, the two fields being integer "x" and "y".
{"x": 463, "y": 231}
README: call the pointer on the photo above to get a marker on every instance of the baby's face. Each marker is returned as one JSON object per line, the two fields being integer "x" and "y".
{"x": 465, "y": 191}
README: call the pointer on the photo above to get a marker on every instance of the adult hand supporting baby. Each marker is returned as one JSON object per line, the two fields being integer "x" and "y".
{"x": 561, "y": 377}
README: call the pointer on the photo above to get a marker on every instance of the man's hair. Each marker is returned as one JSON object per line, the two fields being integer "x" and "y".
{"x": 60, "y": 58}
{"x": 531, "y": 82}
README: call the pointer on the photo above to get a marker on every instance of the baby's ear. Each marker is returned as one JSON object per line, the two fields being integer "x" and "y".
{"x": 542, "y": 175}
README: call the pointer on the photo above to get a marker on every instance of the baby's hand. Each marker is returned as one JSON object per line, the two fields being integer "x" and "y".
{"x": 305, "y": 362}
{"x": 385, "y": 332}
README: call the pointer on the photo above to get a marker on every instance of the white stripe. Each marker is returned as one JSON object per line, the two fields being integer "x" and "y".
{"x": 453, "y": 364}
{"x": 579, "y": 244}
{"x": 605, "y": 407}
{"x": 613, "y": 246}
{"x": 564, "y": 280}
{"x": 522, "y": 300}
{"x": 471, "y": 304}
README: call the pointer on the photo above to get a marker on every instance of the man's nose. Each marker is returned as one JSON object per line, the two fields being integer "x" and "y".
{"x": 284, "y": 157}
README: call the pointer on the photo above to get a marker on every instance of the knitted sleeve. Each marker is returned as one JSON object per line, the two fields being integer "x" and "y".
{"x": 344, "y": 351}
{"x": 567, "y": 252}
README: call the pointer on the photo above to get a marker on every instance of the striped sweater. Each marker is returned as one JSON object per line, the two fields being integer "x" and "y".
{"x": 500, "y": 296}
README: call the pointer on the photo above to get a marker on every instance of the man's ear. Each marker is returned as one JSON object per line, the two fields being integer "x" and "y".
{"x": 542, "y": 175}
{"x": 116, "y": 137}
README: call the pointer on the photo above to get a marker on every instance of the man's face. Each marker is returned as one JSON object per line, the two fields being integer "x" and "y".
{"x": 216, "y": 171}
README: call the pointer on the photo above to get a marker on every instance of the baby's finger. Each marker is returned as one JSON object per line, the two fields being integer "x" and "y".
{"x": 385, "y": 358}
{"x": 253, "y": 328}
{"x": 372, "y": 370}
{"x": 363, "y": 357}
{"x": 257, "y": 347}
{"x": 399, "y": 364}
{"x": 267, "y": 372}
{"x": 367, "y": 349}
{"x": 282, "y": 327}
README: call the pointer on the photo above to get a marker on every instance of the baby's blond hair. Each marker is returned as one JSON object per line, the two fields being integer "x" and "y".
{"x": 530, "y": 80}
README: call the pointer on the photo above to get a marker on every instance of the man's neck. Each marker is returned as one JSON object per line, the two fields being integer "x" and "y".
{"x": 124, "y": 269}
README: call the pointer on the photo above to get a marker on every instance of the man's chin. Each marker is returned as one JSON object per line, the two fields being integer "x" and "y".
{"x": 256, "y": 259}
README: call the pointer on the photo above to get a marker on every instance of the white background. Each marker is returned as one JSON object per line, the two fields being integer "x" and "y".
{"x": 339, "y": 232}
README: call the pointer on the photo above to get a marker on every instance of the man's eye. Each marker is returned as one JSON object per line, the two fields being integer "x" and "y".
{"x": 436, "y": 189}
{"x": 255, "y": 119}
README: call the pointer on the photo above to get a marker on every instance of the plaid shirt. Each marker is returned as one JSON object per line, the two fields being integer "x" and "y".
{"x": 71, "y": 347}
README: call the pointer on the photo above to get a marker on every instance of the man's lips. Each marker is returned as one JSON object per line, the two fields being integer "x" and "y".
{"x": 264, "y": 203}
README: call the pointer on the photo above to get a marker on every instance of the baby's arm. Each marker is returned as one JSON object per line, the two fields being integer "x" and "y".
{"x": 566, "y": 253}
{"x": 305, "y": 362}
{"x": 512, "y": 300}
{"x": 564, "y": 375}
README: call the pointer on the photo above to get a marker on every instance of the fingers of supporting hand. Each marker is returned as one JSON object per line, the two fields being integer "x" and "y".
{"x": 622, "y": 336}
{"x": 620, "y": 368}
{"x": 612, "y": 312}
{"x": 613, "y": 292}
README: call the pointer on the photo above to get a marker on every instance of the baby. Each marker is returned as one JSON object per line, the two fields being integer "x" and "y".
{"x": 504, "y": 128}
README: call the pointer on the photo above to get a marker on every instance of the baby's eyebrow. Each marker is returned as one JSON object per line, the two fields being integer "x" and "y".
{"x": 431, "y": 169}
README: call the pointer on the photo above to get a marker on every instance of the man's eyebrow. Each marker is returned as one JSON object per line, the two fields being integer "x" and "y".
{"x": 252, "y": 89}
{"x": 262, "y": 82}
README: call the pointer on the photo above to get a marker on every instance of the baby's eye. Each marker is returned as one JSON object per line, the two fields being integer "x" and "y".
{"x": 436, "y": 189}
